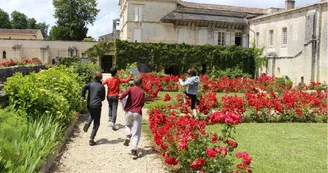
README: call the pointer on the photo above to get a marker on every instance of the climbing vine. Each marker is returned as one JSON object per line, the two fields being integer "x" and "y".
{"x": 161, "y": 55}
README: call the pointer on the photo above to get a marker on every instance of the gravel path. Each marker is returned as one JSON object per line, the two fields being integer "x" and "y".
{"x": 109, "y": 155}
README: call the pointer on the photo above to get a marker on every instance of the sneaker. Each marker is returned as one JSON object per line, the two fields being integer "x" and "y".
{"x": 134, "y": 154}
{"x": 114, "y": 127}
{"x": 86, "y": 127}
{"x": 92, "y": 143}
{"x": 127, "y": 141}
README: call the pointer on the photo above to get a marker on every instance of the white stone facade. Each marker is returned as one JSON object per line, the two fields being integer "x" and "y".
{"x": 298, "y": 45}
{"x": 141, "y": 21}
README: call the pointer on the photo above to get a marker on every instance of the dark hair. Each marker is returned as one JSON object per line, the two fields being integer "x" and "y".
{"x": 113, "y": 71}
{"x": 192, "y": 72}
{"x": 97, "y": 76}
{"x": 137, "y": 81}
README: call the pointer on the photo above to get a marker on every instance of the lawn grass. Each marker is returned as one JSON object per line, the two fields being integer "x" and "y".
{"x": 283, "y": 147}
{"x": 274, "y": 147}
{"x": 161, "y": 95}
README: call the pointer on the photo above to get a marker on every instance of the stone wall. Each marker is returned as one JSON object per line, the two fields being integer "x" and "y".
{"x": 25, "y": 70}
{"x": 44, "y": 50}
{"x": 304, "y": 57}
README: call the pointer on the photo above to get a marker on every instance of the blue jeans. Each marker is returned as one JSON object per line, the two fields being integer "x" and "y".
{"x": 112, "y": 108}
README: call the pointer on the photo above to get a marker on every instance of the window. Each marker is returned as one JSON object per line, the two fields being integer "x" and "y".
{"x": 238, "y": 38}
{"x": 257, "y": 38}
{"x": 284, "y": 36}
{"x": 221, "y": 38}
{"x": 202, "y": 36}
{"x": 271, "y": 37}
{"x": 182, "y": 35}
{"x": 137, "y": 35}
{"x": 137, "y": 13}
{"x": 4, "y": 55}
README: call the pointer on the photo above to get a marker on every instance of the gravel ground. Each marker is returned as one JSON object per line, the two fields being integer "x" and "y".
{"x": 109, "y": 155}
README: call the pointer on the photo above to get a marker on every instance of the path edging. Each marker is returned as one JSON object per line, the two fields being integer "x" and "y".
{"x": 50, "y": 160}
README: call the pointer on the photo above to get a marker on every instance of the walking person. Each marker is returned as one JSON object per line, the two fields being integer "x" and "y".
{"x": 134, "y": 104}
{"x": 192, "y": 90}
{"x": 96, "y": 94}
{"x": 113, "y": 92}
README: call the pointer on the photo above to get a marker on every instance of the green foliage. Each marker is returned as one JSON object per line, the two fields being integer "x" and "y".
{"x": 53, "y": 93}
{"x": 160, "y": 55}
{"x": 100, "y": 49}
{"x": 36, "y": 61}
{"x": 85, "y": 71}
{"x": 73, "y": 16}
{"x": 24, "y": 145}
{"x": 18, "y": 20}
{"x": 260, "y": 60}
{"x": 280, "y": 84}
{"x": 5, "y": 21}
{"x": 68, "y": 61}
{"x": 230, "y": 72}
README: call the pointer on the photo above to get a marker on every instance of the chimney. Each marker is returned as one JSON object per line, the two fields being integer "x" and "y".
{"x": 290, "y": 4}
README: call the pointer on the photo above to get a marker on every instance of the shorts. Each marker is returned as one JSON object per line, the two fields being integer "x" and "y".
{"x": 193, "y": 99}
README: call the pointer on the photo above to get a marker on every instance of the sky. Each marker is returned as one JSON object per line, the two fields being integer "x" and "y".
{"x": 43, "y": 10}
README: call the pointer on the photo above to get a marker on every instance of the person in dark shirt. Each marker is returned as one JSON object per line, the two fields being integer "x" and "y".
{"x": 96, "y": 94}
{"x": 133, "y": 108}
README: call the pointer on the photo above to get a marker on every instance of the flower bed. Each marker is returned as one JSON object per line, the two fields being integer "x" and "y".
{"x": 183, "y": 141}
{"x": 290, "y": 106}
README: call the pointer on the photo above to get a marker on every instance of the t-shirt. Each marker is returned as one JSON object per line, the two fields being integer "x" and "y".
{"x": 113, "y": 85}
{"x": 135, "y": 101}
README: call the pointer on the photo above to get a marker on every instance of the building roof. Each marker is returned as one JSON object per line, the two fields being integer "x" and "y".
{"x": 223, "y": 7}
{"x": 289, "y": 11}
{"x": 186, "y": 16}
{"x": 19, "y": 31}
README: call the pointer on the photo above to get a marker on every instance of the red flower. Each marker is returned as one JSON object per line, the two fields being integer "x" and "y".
{"x": 214, "y": 138}
{"x": 232, "y": 143}
{"x": 167, "y": 97}
{"x": 198, "y": 163}
{"x": 171, "y": 160}
{"x": 210, "y": 152}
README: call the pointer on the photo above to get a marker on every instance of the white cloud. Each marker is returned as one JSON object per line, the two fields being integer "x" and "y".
{"x": 43, "y": 10}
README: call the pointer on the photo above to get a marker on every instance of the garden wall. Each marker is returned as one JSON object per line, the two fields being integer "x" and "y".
{"x": 10, "y": 71}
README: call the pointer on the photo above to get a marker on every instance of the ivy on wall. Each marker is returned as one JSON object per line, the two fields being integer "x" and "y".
{"x": 161, "y": 55}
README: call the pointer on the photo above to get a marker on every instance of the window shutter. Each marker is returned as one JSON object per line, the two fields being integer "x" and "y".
{"x": 216, "y": 38}
{"x": 136, "y": 13}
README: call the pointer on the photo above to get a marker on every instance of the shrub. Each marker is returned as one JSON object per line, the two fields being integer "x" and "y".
{"x": 68, "y": 61}
{"x": 54, "y": 93}
{"x": 36, "y": 61}
{"x": 85, "y": 71}
{"x": 229, "y": 72}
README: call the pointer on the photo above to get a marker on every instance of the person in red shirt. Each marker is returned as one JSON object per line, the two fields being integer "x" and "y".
{"x": 135, "y": 102}
{"x": 113, "y": 92}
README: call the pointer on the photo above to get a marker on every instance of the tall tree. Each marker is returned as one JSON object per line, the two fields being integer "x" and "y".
{"x": 31, "y": 23}
{"x": 73, "y": 16}
{"x": 18, "y": 20}
{"x": 43, "y": 27}
{"x": 4, "y": 20}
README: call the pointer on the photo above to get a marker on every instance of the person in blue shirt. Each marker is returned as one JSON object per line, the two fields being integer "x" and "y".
{"x": 192, "y": 83}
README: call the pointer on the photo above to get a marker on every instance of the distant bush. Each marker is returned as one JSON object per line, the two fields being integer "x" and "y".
{"x": 68, "y": 61}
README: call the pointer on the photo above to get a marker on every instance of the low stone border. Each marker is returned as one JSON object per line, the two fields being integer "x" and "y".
{"x": 60, "y": 147}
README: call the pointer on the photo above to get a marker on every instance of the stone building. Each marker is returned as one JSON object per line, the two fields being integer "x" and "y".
{"x": 44, "y": 50}
{"x": 26, "y": 34}
{"x": 175, "y": 21}
{"x": 295, "y": 41}
{"x": 115, "y": 33}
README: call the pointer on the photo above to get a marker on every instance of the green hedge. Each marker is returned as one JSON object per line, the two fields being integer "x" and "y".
{"x": 161, "y": 55}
